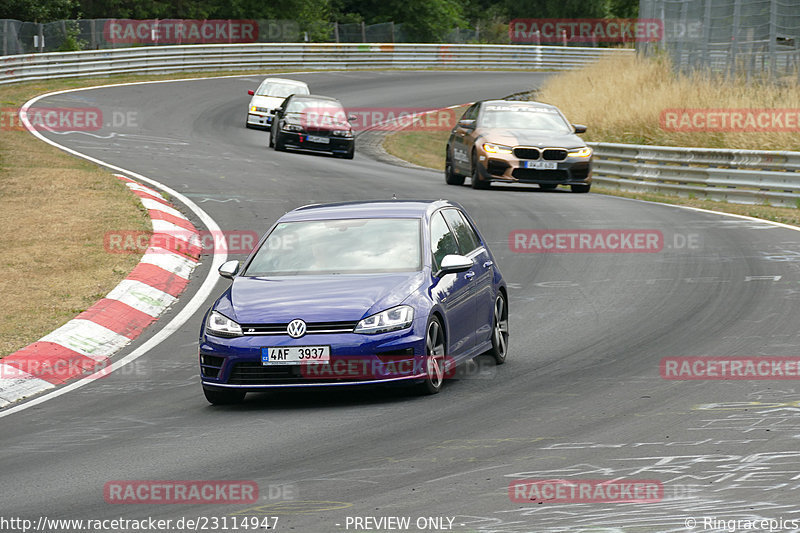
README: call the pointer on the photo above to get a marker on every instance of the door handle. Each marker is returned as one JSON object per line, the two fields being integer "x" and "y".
{"x": 469, "y": 275}
{"x": 487, "y": 264}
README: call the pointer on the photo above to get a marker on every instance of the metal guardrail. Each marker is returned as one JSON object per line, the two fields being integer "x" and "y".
{"x": 167, "y": 59}
{"x": 739, "y": 176}
{"x": 736, "y": 176}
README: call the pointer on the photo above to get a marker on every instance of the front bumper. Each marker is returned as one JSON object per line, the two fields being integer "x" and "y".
{"x": 504, "y": 168}
{"x": 335, "y": 145}
{"x": 356, "y": 359}
{"x": 259, "y": 120}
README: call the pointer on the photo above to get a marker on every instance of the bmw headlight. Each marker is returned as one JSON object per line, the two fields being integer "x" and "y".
{"x": 580, "y": 153}
{"x": 342, "y": 133}
{"x": 496, "y": 148}
{"x": 292, "y": 127}
{"x": 399, "y": 317}
{"x": 221, "y": 326}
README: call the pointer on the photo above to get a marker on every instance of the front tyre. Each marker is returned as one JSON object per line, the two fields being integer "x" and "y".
{"x": 434, "y": 358}
{"x": 500, "y": 330}
{"x": 223, "y": 397}
{"x": 449, "y": 176}
{"x": 278, "y": 142}
{"x": 477, "y": 182}
{"x": 581, "y": 188}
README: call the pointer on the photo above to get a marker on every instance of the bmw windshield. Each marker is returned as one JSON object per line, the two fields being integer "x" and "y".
{"x": 347, "y": 246}
{"x": 524, "y": 118}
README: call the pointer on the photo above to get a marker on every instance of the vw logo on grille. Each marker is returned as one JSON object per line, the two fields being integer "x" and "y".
{"x": 296, "y": 328}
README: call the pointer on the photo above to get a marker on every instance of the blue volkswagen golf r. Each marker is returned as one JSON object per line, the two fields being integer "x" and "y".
{"x": 355, "y": 293}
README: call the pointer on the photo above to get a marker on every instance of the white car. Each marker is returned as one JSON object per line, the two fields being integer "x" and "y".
{"x": 269, "y": 95}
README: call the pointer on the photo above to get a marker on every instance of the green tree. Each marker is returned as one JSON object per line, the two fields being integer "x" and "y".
{"x": 39, "y": 10}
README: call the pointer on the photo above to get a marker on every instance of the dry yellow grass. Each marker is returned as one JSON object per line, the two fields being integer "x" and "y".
{"x": 54, "y": 211}
{"x": 621, "y": 100}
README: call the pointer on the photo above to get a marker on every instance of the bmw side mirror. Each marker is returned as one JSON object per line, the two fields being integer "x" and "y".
{"x": 351, "y": 118}
{"x": 467, "y": 123}
{"x": 276, "y": 111}
{"x": 453, "y": 263}
{"x": 251, "y": 92}
{"x": 579, "y": 128}
{"x": 229, "y": 269}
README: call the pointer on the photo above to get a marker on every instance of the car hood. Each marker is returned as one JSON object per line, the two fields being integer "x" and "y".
{"x": 269, "y": 102}
{"x": 315, "y": 124}
{"x": 544, "y": 139}
{"x": 330, "y": 298}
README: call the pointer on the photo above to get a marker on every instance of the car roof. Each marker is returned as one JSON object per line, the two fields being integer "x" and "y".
{"x": 368, "y": 209}
{"x": 526, "y": 103}
{"x": 284, "y": 80}
{"x": 313, "y": 97}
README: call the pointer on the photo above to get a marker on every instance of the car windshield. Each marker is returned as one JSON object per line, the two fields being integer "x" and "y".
{"x": 280, "y": 90}
{"x": 344, "y": 246}
{"x": 523, "y": 118}
{"x": 320, "y": 108}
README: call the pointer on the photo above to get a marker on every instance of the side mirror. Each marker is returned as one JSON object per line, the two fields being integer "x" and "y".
{"x": 351, "y": 118}
{"x": 229, "y": 269}
{"x": 251, "y": 92}
{"x": 468, "y": 123}
{"x": 579, "y": 128}
{"x": 276, "y": 111}
{"x": 453, "y": 263}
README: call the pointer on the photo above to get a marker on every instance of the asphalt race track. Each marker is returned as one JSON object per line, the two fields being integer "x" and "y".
{"x": 580, "y": 397}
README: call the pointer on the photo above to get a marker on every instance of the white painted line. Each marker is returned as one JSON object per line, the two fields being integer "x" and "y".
{"x": 169, "y": 261}
{"x": 87, "y": 338}
{"x": 142, "y": 297}
{"x": 141, "y": 188}
{"x": 15, "y": 383}
{"x": 154, "y": 205}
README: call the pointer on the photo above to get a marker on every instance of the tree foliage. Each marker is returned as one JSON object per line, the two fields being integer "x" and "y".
{"x": 423, "y": 20}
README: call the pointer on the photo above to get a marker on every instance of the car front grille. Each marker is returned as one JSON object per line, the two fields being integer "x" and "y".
{"x": 253, "y": 373}
{"x": 554, "y": 154}
{"x": 311, "y": 328}
{"x": 548, "y": 154}
{"x": 527, "y": 153}
{"x": 532, "y": 174}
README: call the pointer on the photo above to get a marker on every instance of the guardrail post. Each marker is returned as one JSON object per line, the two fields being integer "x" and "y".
{"x": 737, "y": 9}
{"x": 5, "y": 37}
{"x": 363, "y": 32}
{"x": 773, "y": 37}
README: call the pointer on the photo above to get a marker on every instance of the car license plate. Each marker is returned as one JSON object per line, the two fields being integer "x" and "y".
{"x": 316, "y": 139}
{"x": 540, "y": 165}
{"x": 295, "y": 355}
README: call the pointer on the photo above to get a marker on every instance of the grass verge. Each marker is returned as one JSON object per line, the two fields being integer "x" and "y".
{"x": 55, "y": 210}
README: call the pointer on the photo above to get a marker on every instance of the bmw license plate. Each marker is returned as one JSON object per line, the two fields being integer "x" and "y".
{"x": 540, "y": 165}
{"x": 317, "y": 139}
{"x": 295, "y": 355}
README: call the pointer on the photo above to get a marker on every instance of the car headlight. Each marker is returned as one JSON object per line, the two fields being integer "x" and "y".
{"x": 496, "y": 148}
{"x": 399, "y": 317}
{"x": 292, "y": 127}
{"x": 580, "y": 153}
{"x": 221, "y": 326}
{"x": 342, "y": 133}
